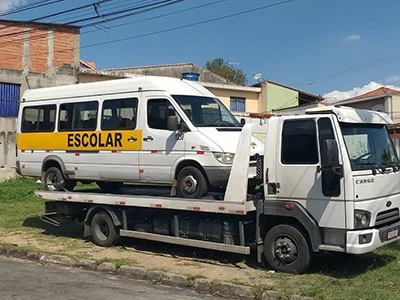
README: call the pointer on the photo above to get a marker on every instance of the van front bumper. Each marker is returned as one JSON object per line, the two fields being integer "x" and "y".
{"x": 218, "y": 176}
{"x": 367, "y": 240}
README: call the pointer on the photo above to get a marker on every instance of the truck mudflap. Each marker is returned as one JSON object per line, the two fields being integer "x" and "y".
{"x": 367, "y": 240}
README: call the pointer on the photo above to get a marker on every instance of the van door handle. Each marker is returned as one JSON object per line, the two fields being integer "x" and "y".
{"x": 148, "y": 139}
{"x": 132, "y": 139}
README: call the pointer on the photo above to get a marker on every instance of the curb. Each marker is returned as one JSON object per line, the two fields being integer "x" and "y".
{"x": 200, "y": 285}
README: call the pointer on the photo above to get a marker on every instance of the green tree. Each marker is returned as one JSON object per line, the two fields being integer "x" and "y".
{"x": 222, "y": 68}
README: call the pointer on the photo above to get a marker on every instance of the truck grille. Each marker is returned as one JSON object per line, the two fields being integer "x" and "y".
{"x": 387, "y": 216}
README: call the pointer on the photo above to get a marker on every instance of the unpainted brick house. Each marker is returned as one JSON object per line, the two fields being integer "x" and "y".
{"x": 32, "y": 55}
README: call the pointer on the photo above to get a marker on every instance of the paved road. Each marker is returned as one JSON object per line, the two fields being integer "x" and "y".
{"x": 22, "y": 280}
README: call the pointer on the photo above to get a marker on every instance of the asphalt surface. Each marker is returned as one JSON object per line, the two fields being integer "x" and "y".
{"x": 20, "y": 279}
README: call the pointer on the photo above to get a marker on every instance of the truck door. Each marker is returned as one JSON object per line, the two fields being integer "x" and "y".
{"x": 299, "y": 174}
{"x": 161, "y": 147}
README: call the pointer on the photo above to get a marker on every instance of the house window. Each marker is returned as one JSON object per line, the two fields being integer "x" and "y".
{"x": 9, "y": 96}
{"x": 238, "y": 104}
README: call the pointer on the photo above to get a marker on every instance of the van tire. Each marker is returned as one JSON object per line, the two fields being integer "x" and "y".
{"x": 54, "y": 180}
{"x": 286, "y": 249}
{"x": 191, "y": 183}
{"x": 104, "y": 232}
{"x": 109, "y": 186}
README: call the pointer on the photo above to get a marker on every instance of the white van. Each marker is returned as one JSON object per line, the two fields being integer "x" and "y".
{"x": 150, "y": 129}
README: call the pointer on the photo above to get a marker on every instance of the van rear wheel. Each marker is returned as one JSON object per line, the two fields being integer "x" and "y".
{"x": 54, "y": 180}
{"x": 191, "y": 183}
{"x": 109, "y": 186}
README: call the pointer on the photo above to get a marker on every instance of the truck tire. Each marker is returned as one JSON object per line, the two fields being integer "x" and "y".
{"x": 286, "y": 249}
{"x": 191, "y": 183}
{"x": 104, "y": 233}
{"x": 54, "y": 180}
{"x": 109, "y": 186}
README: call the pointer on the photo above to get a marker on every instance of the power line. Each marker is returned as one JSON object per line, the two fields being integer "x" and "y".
{"x": 150, "y": 6}
{"x": 184, "y": 26}
{"x": 26, "y": 7}
{"x": 190, "y": 25}
{"x": 164, "y": 15}
{"x": 93, "y": 4}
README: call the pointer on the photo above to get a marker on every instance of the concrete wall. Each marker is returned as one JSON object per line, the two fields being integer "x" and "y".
{"x": 174, "y": 71}
{"x": 7, "y": 142}
{"x": 279, "y": 97}
{"x": 393, "y": 104}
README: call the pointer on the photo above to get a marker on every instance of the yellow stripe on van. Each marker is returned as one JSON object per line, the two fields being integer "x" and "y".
{"x": 81, "y": 140}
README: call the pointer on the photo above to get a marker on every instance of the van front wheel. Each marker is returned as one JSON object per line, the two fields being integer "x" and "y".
{"x": 191, "y": 183}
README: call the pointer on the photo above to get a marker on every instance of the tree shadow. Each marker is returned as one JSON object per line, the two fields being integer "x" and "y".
{"x": 67, "y": 228}
{"x": 337, "y": 265}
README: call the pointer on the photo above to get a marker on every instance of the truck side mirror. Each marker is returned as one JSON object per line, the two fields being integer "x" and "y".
{"x": 242, "y": 121}
{"x": 330, "y": 157}
{"x": 329, "y": 153}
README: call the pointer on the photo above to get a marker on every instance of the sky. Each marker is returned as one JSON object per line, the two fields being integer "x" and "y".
{"x": 337, "y": 49}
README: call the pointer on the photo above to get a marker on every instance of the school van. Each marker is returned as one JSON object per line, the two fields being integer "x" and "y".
{"x": 151, "y": 130}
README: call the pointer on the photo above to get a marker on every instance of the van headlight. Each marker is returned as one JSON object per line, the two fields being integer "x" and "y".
{"x": 224, "y": 158}
{"x": 362, "y": 219}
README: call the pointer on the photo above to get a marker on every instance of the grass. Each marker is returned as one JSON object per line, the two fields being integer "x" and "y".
{"x": 330, "y": 277}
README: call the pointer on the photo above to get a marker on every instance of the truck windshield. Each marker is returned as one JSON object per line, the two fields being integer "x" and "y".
{"x": 369, "y": 147}
{"x": 206, "y": 111}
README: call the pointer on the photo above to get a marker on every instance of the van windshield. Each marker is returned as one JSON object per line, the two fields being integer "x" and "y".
{"x": 369, "y": 146}
{"x": 206, "y": 111}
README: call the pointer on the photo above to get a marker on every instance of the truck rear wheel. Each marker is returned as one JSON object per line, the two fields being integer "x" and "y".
{"x": 104, "y": 232}
{"x": 191, "y": 183}
{"x": 286, "y": 249}
{"x": 54, "y": 180}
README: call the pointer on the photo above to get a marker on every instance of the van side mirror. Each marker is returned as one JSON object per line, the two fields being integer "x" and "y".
{"x": 242, "y": 121}
{"x": 172, "y": 123}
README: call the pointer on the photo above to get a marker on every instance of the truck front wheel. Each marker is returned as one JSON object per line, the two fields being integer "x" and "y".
{"x": 104, "y": 233}
{"x": 286, "y": 249}
{"x": 191, "y": 183}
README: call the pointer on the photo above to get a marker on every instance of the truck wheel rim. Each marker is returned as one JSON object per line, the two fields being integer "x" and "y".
{"x": 103, "y": 230}
{"x": 285, "y": 250}
{"x": 189, "y": 184}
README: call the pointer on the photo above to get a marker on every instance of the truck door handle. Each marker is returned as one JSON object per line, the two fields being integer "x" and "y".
{"x": 132, "y": 139}
{"x": 148, "y": 139}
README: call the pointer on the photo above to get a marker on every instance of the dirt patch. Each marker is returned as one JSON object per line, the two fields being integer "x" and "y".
{"x": 150, "y": 255}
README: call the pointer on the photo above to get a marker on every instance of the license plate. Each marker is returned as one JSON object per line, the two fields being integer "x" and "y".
{"x": 392, "y": 233}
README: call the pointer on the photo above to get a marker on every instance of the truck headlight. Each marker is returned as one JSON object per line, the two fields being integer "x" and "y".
{"x": 362, "y": 219}
{"x": 224, "y": 158}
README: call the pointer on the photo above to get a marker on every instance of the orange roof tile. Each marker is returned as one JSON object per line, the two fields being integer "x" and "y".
{"x": 376, "y": 93}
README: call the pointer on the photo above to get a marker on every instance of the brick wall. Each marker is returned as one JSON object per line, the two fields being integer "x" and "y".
{"x": 63, "y": 48}
{"x": 11, "y": 47}
{"x": 35, "y": 40}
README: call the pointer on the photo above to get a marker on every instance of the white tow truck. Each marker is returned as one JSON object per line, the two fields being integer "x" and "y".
{"x": 329, "y": 180}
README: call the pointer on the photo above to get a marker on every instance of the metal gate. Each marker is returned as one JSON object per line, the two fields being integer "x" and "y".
{"x": 9, "y": 97}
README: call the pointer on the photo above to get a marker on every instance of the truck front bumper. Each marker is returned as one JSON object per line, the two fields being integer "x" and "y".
{"x": 367, "y": 240}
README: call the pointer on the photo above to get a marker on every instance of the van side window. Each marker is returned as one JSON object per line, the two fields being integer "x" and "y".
{"x": 158, "y": 111}
{"x": 299, "y": 142}
{"x": 78, "y": 116}
{"x": 119, "y": 114}
{"x": 38, "y": 118}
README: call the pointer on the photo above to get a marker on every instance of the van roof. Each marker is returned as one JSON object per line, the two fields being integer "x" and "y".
{"x": 173, "y": 86}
